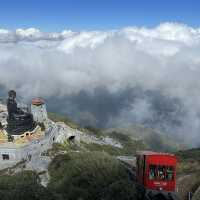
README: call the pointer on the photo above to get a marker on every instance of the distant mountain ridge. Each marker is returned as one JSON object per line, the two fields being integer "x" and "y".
{"x": 133, "y": 138}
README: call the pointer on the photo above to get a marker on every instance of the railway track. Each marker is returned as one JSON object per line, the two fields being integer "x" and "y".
{"x": 129, "y": 164}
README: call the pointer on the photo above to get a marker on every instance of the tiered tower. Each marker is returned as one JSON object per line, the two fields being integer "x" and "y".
{"x": 38, "y": 109}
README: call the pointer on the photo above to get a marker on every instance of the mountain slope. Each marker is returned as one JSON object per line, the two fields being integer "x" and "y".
{"x": 189, "y": 173}
{"x": 152, "y": 139}
{"x": 132, "y": 138}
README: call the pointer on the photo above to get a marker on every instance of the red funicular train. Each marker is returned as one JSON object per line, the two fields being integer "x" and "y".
{"x": 156, "y": 175}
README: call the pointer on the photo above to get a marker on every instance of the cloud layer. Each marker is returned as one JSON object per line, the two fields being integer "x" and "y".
{"x": 136, "y": 74}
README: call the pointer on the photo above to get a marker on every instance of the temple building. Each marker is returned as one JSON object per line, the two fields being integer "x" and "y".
{"x": 27, "y": 133}
{"x": 20, "y": 129}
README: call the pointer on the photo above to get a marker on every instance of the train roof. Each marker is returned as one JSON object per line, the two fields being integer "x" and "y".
{"x": 150, "y": 153}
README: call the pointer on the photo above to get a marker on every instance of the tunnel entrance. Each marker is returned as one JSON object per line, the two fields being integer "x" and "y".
{"x": 71, "y": 139}
{"x": 1, "y": 126}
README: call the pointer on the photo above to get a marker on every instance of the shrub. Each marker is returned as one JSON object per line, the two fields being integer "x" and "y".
{"x": 90, "y": 176}
{"x": 23, "y": 186}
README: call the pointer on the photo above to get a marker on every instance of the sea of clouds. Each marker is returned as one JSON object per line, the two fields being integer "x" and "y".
{"x": 110, "y": 78}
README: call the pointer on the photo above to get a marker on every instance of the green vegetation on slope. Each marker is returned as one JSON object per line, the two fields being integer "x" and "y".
{"x": 135, "y": 137}
{"x": 189, "y": 161}
{"x": 148, "y": 140}
{"x": 129, "y": 145}
{"x": 188, "y": 170}
{"x": 90, "y": 176}
{"x": 60, "y": 118}
{"x": 111, "y": 150}
{"x": 93, "y": 131}
{"x": 190, "y": 154}
{"x": 23, "y": 186}
{"x": 151, "y": 138}
{"x": 73, "y": 176}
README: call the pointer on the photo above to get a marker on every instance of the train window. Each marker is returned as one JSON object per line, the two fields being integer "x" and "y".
{"x": 170, "y": 173}
{"x": 152, "y": 172}
{"x": 161, "y": 172}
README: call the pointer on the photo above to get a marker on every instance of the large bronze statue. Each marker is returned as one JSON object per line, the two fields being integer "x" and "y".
{"x": 18, "y": 120}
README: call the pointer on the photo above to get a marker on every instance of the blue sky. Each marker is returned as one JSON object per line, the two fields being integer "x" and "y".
{"x": 56, "y": 15}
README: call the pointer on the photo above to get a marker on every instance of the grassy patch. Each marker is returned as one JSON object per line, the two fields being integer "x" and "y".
{"x": 190, "y": 154}
{"x": 22, "y": 186}
{"x": 158, "y": 142}
{"x": 188, "y": 169}
{"x": 152, "y": 139}
{"x": 103, "y": 148}
{"x": 58, "y": 148}
{"x": 93, "y": 131}
{"x": 188, "y": 161}
{"x": 129, "y": 146}
{"x": 60, "y": 118}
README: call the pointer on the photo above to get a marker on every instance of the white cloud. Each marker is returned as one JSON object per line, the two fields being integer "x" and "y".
{"x": 163, "y": 58}
{"x": 29, "y": 33}
{"x": 83, "y": 40}
{"x": 32, "y": 35}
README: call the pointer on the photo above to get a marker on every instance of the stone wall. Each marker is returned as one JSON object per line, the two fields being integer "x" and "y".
{"x": 10, "y": 152}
